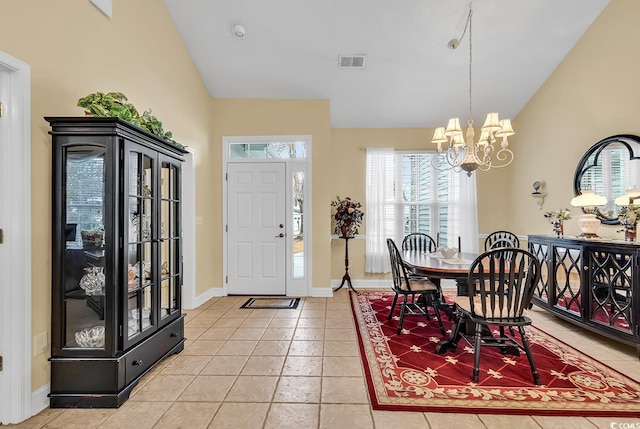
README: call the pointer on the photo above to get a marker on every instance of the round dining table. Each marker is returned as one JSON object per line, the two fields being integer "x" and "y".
{"x": 434, "y": 266}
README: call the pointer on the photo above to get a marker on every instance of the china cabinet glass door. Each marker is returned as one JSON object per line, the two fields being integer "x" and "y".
{"x": 83, "y": 238}
{"x": 170, "y": 241}
{"x": 140, "y": 251}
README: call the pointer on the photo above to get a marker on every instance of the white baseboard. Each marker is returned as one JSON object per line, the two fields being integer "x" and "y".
{"x": 382, "y": 284}
{"x": 321, "y": 292}
{"x": 204, "y": 297}
{"x": 364, "y": 284}
{"x": 40, "y": 399}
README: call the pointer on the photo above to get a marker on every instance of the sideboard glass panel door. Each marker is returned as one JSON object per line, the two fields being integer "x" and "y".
{"x": 140, "y": 252}
{"x": 568, "y": 265}
{"x": 611, "y": 288}
{"x": 83, "y": 270}
{"x": 170, "y": 236}
{"x": 541, "y": 251}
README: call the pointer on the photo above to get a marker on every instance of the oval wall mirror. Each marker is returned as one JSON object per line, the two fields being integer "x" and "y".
{"x": 609, "y": 167}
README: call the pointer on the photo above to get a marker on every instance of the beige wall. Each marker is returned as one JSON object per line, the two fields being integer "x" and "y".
{"x": 74, "y": 50}
{"x": 591, "y": 95}
{"x": 251, "y": 117}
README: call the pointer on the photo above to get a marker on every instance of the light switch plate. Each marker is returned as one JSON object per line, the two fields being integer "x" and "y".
{"x": 40, "y": 344}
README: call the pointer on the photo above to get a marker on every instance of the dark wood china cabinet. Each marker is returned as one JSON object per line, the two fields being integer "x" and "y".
{"x": 117, "y": 262}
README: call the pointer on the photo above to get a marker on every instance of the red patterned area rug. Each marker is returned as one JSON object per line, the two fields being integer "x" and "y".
{"x": 405, "y": 374}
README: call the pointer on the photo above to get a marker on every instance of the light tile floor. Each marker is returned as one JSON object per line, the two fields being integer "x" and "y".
{"x": 296, "y": 369}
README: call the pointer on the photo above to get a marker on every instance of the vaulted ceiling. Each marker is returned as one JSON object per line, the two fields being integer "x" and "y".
{"x": 410, "y": 77}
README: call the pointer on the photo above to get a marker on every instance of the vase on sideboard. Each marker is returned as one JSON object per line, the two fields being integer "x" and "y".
{"x": 558, "y": 228}
{"x": 630, "y": 233}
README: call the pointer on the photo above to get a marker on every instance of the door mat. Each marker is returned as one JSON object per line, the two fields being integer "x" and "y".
{"x": 277, "y": 303}
{"x": 404, "y": 373}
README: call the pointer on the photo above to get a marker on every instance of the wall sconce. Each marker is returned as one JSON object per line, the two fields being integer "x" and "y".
{"x": 537, "y": 194}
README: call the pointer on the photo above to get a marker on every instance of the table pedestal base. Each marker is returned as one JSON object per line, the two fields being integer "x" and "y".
{"x": 451, "y": 343}
{"x": 462, "y": 287}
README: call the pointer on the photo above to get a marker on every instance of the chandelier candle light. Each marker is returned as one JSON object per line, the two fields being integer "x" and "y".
{"x": 462, "y": 153}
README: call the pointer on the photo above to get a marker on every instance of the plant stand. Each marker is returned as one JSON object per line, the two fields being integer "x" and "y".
{"x": 346, "y": 278}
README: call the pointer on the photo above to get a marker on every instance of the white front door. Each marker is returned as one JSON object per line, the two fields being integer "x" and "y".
{"x": 256, "y": 228}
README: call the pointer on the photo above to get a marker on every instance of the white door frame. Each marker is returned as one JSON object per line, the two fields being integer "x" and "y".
{"x": 15, "y": 270}
{"x": 189, "y": 299}
{"x": 295, "y": 286}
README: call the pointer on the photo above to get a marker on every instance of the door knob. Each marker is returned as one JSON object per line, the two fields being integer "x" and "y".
{"x": 281, "y": 226}
{"x": 280, "y": 235}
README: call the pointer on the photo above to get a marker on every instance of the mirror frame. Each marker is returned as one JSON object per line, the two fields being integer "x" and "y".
{"x": 627, "y": 140}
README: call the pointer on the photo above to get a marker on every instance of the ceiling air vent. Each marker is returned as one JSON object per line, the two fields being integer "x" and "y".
{"x": 351, "y": 61}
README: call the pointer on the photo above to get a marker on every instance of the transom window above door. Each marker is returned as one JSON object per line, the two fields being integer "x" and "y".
{"x": 262, "y": 150}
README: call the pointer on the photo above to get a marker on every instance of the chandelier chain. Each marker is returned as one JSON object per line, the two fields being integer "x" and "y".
{"x": 469, "y": 21}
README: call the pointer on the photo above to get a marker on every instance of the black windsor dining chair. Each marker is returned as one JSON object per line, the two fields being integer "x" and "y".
{"x": 409, "y": 287}
{"x": 501, "y": 285}
{"x": 501, "y": 239}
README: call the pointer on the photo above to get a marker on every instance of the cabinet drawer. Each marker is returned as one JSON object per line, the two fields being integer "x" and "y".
{"x": 147, "y": 353}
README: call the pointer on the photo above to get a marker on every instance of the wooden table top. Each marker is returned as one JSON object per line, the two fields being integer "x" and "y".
{"x": 429, "y": 265}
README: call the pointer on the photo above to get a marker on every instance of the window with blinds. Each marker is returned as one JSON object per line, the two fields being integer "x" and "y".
{"x": 419, "y": 197}
{"x": 406, "y": 194}
{"x": 612, "y": 175}
{"x": 422, "y": 197}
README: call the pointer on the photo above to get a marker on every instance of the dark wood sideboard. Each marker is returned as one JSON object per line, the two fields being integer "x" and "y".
{"x": 593, "y": 283}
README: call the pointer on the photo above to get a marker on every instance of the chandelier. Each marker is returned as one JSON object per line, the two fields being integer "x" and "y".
{"x": 461, "y": 152}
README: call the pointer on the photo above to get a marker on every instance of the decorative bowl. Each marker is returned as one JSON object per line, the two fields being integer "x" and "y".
{"x": 92, "y": 238}
{"x": 93, "y": 281}
{"x": 91, "y": 337}
{"x": 448, "y": 252}
{"x": 146, "y": 313}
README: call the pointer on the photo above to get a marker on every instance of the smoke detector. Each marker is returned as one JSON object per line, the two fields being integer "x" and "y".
{"x": 238, "y": 30}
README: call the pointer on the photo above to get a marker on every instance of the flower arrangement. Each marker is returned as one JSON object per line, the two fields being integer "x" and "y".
{"x": 628, "y": 215}
{"x": 557, "y": 218}
{"x": 348, "y": 216}
{"x": 559, "y": 215}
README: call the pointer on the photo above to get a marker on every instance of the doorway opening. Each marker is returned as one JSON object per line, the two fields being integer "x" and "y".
{"x": 267, "y": 215}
